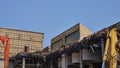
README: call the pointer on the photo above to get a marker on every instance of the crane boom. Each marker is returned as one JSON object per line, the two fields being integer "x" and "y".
{"x": 5, "y": 41}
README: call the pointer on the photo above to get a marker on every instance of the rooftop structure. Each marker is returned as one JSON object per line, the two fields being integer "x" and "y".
{"x": 90, "y": 48}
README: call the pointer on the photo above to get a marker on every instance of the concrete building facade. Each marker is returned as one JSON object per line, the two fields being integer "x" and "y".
{"x": 19, "y": 39}
{"x": 75, "y": 33}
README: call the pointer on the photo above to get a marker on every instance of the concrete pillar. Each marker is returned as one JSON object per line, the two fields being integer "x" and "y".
{"x": 23, "y": 62}
{"x": 81, "y": 64}
{"x": 51, "y": 64}
{"x": 64, "y": 61}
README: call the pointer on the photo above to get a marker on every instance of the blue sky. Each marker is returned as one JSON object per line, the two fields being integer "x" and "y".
{"x": 55, "y": 16}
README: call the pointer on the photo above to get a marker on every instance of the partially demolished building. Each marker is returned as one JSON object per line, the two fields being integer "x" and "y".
{"x": 77, "y": 47}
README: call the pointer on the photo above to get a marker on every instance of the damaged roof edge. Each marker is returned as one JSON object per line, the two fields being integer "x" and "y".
{"x": 102, "y": 33}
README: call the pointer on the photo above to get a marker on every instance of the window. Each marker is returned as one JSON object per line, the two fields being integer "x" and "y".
{"x": 72, "y": 37}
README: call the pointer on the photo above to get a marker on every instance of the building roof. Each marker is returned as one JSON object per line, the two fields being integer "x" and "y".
{"x": 96, "y": 37}
{"x": 22, "y": 30}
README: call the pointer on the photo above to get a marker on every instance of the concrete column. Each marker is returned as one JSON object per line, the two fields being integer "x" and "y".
{"x": 64, "y": 61}
{"x": 81, "y": 64}
{"x": 51, "y": 64}
{"x": 23, "y": 62}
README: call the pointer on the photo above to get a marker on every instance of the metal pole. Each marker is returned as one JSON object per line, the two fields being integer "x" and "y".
{"x": 81, "y": 64}
{"x": 23, "y": 62}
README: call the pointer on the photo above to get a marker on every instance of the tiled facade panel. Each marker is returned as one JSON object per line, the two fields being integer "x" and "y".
{"x": 19, "y": 39}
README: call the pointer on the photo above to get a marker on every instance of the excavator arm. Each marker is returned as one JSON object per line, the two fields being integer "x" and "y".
{"x": 5, "y": 41}
{"x": 111, "y": 51}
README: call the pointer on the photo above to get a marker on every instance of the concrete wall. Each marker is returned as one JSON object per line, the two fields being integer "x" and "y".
{"x": 87, "y": 55}
{"x": 84, "y": 31}
{"x": 76, "y": 57}
{"x": 19, "y": 39}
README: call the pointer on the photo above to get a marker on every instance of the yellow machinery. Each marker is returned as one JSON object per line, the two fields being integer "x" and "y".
{"x": 111, "y": 51}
